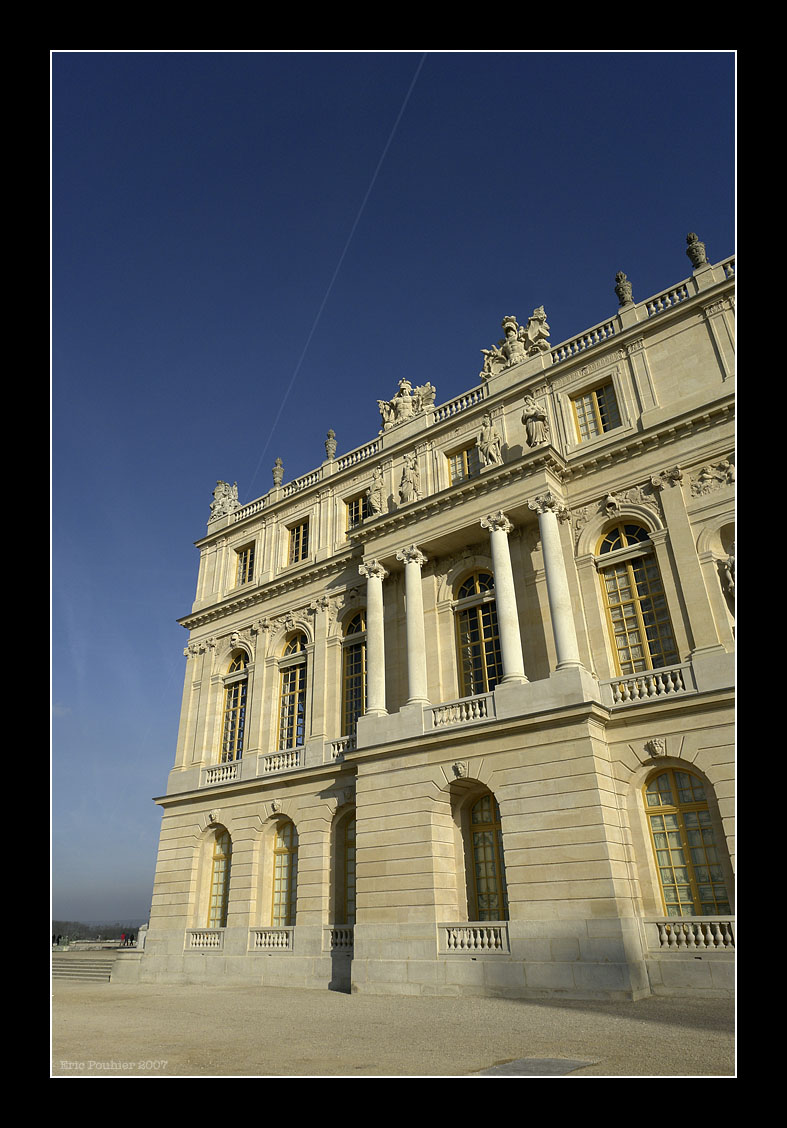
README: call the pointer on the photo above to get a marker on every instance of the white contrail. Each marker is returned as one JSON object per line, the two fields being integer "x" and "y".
{"x": 338, "y": 268}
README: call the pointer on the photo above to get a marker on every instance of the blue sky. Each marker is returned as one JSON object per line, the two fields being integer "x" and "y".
{"x": 251, "y": 248}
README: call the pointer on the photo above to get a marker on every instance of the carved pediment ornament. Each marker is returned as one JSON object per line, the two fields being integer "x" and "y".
{"x": 713, "y": 476}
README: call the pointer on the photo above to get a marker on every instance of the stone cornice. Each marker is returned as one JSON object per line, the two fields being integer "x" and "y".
{"x": 274, "y": 589}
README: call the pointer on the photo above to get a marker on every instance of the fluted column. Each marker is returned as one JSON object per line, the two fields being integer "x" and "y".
{"x": 499, "y": 527}
{"x": 549, "y": 508}
{"x": 413, "y": 560}
{"x": 375, "y": 638}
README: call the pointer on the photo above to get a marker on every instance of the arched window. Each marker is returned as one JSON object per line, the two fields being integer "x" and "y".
{"x": 636, "y": 605}
{"x": 344, "y": 862}
{"x": 478, "y": 642}
{"x": 292, "y": 707}
{"x": 234, "y": 726}
{"x": 685, "y": 845}
{"x": 353, "y": 673}
{"x": 285, "y": 875}
{"x": 487, "y": 892}
{"x": 220, "y": 880}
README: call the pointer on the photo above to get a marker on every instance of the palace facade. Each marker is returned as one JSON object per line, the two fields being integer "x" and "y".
{"x": 458, "y": 705}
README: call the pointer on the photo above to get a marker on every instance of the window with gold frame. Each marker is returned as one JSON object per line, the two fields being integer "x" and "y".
{"x": 488, "y": 893}
{"x": 218, "y": 901}
{"x": 285, "y": 876}
{"x": 292, "y": 699}
{"x": 357, "y": 511}
{"x": 353, "y": 673}
{"x": 463, "y": 464}
{"x": 477, "y": 637}
{"x": 685, "y": 845}
{"x": 596, "y": 411}
{"x": 233, "y": 732}
{"x": 245, "y": 568}
{"x": 299, "y": 542}
{"x": 635, "y": 601}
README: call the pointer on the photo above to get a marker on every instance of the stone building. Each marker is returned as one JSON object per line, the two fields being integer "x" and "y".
{"x": 458, "y": 704}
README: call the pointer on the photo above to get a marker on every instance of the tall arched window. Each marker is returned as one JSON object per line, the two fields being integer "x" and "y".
{"x": 292, "y": 705}
{"x": 636, "y": 605}
{"x": 285, "y": 875}
{"x": 219, "y": 880}
{"x": 487, "y": 891}
{"x": 685, "y": 845}
{"x": 478, "y": 642}
{"x": 353, "y": 673}
{"x": 234, "y": 725}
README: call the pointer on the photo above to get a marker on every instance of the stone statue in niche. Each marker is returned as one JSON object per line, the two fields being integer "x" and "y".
{"x": 375, "y": 493}
{"x": 410, "y": 485}
{"x": 407, "y": 403}
{"x": 225, "y": 500}
{"x": 695, "y": 250}
{"x": 489, "y": 443}
{"x": 536, "y": 423}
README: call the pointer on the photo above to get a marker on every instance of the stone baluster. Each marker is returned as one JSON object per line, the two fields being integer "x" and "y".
{"x": 549, "y": 508}
{"x": 413, "y": 560}
{"x": 374, "y": 573}
{"x": 499, "y": 527}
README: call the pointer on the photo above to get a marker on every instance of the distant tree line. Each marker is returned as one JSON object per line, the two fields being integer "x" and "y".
{"x": 95, "y": 930}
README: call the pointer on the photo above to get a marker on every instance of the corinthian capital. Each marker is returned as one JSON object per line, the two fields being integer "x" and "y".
{"x": 411, "y": 555}
{"x": 372, "y": 569}
{"x": 497, "y": 521}
{"x": 548, "y": 503}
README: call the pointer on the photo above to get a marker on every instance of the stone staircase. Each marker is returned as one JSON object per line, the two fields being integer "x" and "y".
{"x": 96, "y": 966}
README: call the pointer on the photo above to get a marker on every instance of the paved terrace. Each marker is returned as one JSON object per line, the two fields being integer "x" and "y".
{"x": 154, "y": 1030}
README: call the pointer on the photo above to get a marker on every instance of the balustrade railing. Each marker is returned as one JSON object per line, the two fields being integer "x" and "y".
{"x": 459, "y": 403}
{"x": 667, "y": 299}
{"x": 204, "y": 939}
{"x": 281, "y": 761}
{"x": 360, "y": 454}
{"x": 630, "y": 689}
{"x": 337, "y": 748}
{"x": 587, "y": 340}
{"x": 464, "y": 711}
{"x": 221, "y": 773}
{"x": 271, "y": 939}
{"x": 473, "y": 937}
{"x": 338, "y": 938}
{"x": 690, "y": 934}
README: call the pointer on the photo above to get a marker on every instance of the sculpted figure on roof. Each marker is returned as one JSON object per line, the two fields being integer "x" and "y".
{"x": 407, "y": 403}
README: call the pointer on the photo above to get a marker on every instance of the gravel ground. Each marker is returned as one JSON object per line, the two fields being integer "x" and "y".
{"x": 154, "y": 1030}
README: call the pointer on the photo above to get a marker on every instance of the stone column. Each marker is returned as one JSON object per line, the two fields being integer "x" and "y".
{"x": 549, "y": 508}
{"x": 414, "y": 560}
{"x": 499, "y": 527}
{"x": 375, "y": 638}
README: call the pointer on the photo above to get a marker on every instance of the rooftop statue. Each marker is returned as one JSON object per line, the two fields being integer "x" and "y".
{"x": 623, "y": 289}
{"x": 407, "y": 403}
{"x": 695, "y": 249}
{"x": 520, "y": 342}
{"x": 225, "y": 500}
